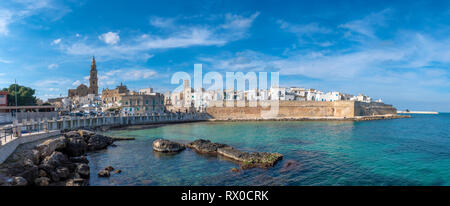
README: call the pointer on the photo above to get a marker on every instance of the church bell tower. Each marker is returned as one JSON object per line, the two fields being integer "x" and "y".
{"x": 93, "y": 80}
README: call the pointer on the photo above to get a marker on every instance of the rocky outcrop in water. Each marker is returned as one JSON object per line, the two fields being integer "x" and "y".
{"x": 59, "y": 161}
{"x": 206, "y": 146}
{"x": 247, "y": 160}
{"x": 251, "y": 160}
{"x": 163, "y": 145}
{"x": 106, "y": 172}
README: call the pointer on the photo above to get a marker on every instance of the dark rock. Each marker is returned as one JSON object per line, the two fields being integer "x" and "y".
{"x": 80, "y": 159}
{"x": 46, "y": 168}
{"x": 290, "y": 165}
{"x": 83, "y": 170}
{"x": 235, "y": 170}
{"x": 250, "y": 160}
{"x": 163, "y": 145}
{"x": 29, "y": 172}
{"x": 98, "y": 142}
{"x": 76, "y": 146}
{"x": 42, "y": 173}
{"x": 54, "y": 176}
{"x": 109, "y": 168}
{"x": 76, "y": 182}
{"x": 122, "y": 138}
{"x": 35, "y": 157}
{"x": 42, "y": 181}
{"x": 62, "y": 172}
{"x": 205, "y": 146}
{"x": 55, "y": 159}
{"x": 103, "y": 173}
{"x": 19, "y": 181}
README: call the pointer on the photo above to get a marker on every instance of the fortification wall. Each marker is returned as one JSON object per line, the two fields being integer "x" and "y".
{"x": 373, "y": 108}
{"x": 299, "y": 109}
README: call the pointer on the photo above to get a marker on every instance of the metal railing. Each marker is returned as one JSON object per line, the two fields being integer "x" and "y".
{"x": 6, "y": 135}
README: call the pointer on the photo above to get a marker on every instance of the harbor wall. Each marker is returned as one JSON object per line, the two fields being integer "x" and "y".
{"x": 299, "y": 109}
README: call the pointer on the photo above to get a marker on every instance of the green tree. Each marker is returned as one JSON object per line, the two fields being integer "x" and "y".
{"x": 25, "y": 95}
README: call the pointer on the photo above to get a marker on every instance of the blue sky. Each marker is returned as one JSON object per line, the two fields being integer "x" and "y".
{"x": 395, "y": 50}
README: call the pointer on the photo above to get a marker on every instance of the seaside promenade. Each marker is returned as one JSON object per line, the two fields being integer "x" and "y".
{"x": 29, "y": 131}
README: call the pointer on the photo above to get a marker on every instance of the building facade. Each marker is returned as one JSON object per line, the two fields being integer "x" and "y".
{"x": 83, "y": 90}
{"x": 141, "y": 103}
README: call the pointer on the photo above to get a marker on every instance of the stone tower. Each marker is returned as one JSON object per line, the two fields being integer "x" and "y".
{"x": 93, "y": 80}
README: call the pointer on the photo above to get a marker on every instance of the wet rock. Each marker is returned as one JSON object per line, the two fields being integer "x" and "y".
{"x": 42, "y": 173}
{"x": 29, "y": 172}
{"x": 35, "y": 157}
{"x": 103, "y": 173}
{"x": 206, "y": 146}
{"x": 19, "y": 181}
{"x": 109, "y": 168}
{"x": 42, "y": 181}
{"x": 76, "y": 146}
{"x": 235, "y": 170}
{"x": 62, "y": 172}
{"x": 98, "y": 142}
{"x": 80, "y": 159}
{"x": 83, "y": 170}
{"x": 290, "y": 165}
{"x": 55, "y": 159}
{"x": 54, "y": 176}
{"x": 49, "y": 146}
{"x": 123, "y": 138}
{"x": 163, "y": 145}
{"x": 76, "y": 182}
{"x": 250, "y": 160}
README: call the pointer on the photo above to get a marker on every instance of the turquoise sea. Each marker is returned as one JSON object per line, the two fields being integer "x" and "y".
{"x": 414, "y": 151}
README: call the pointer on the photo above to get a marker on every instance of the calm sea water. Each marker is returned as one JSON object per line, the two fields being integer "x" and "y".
{"x": 413, "y": 151}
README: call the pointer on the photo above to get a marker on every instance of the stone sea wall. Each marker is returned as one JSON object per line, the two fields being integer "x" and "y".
{"x": 299, "y": 109}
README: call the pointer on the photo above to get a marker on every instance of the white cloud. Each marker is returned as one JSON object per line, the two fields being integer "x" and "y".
{"x": 53, "y": 66}
{"x": 110, "y": 38}
{"x": 5, "y": 20}
{"x": 20, "y": 9}
{"x": 113, "y": 77}
{"x": 162, "y": 22}
{"x": 76, "y": 83}
{"x": 413, "y": 51}
{"x": 366, "y": 26}
{"x": 5, "y": 61}
{"x": 304, "y": 29}
{"x": 234, "y": 28}
{"x": 56, "y": 41}
{"x": 237, "y": 22}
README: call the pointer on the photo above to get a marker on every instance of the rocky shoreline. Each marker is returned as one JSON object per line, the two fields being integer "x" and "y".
{"x": 60, "y": 161}
{"x": 357, "y": 118}
{"x": 245, "y": 159}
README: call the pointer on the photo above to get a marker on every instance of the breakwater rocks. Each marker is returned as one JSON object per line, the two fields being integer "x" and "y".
{"x": 245, "y": 159}
{"x": 163, "y": 145}
{"x": 57, "y": 162}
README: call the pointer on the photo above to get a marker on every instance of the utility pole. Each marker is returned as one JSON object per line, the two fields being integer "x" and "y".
{"x": 15, "y": 91}
{"x": 15, "y": 96}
